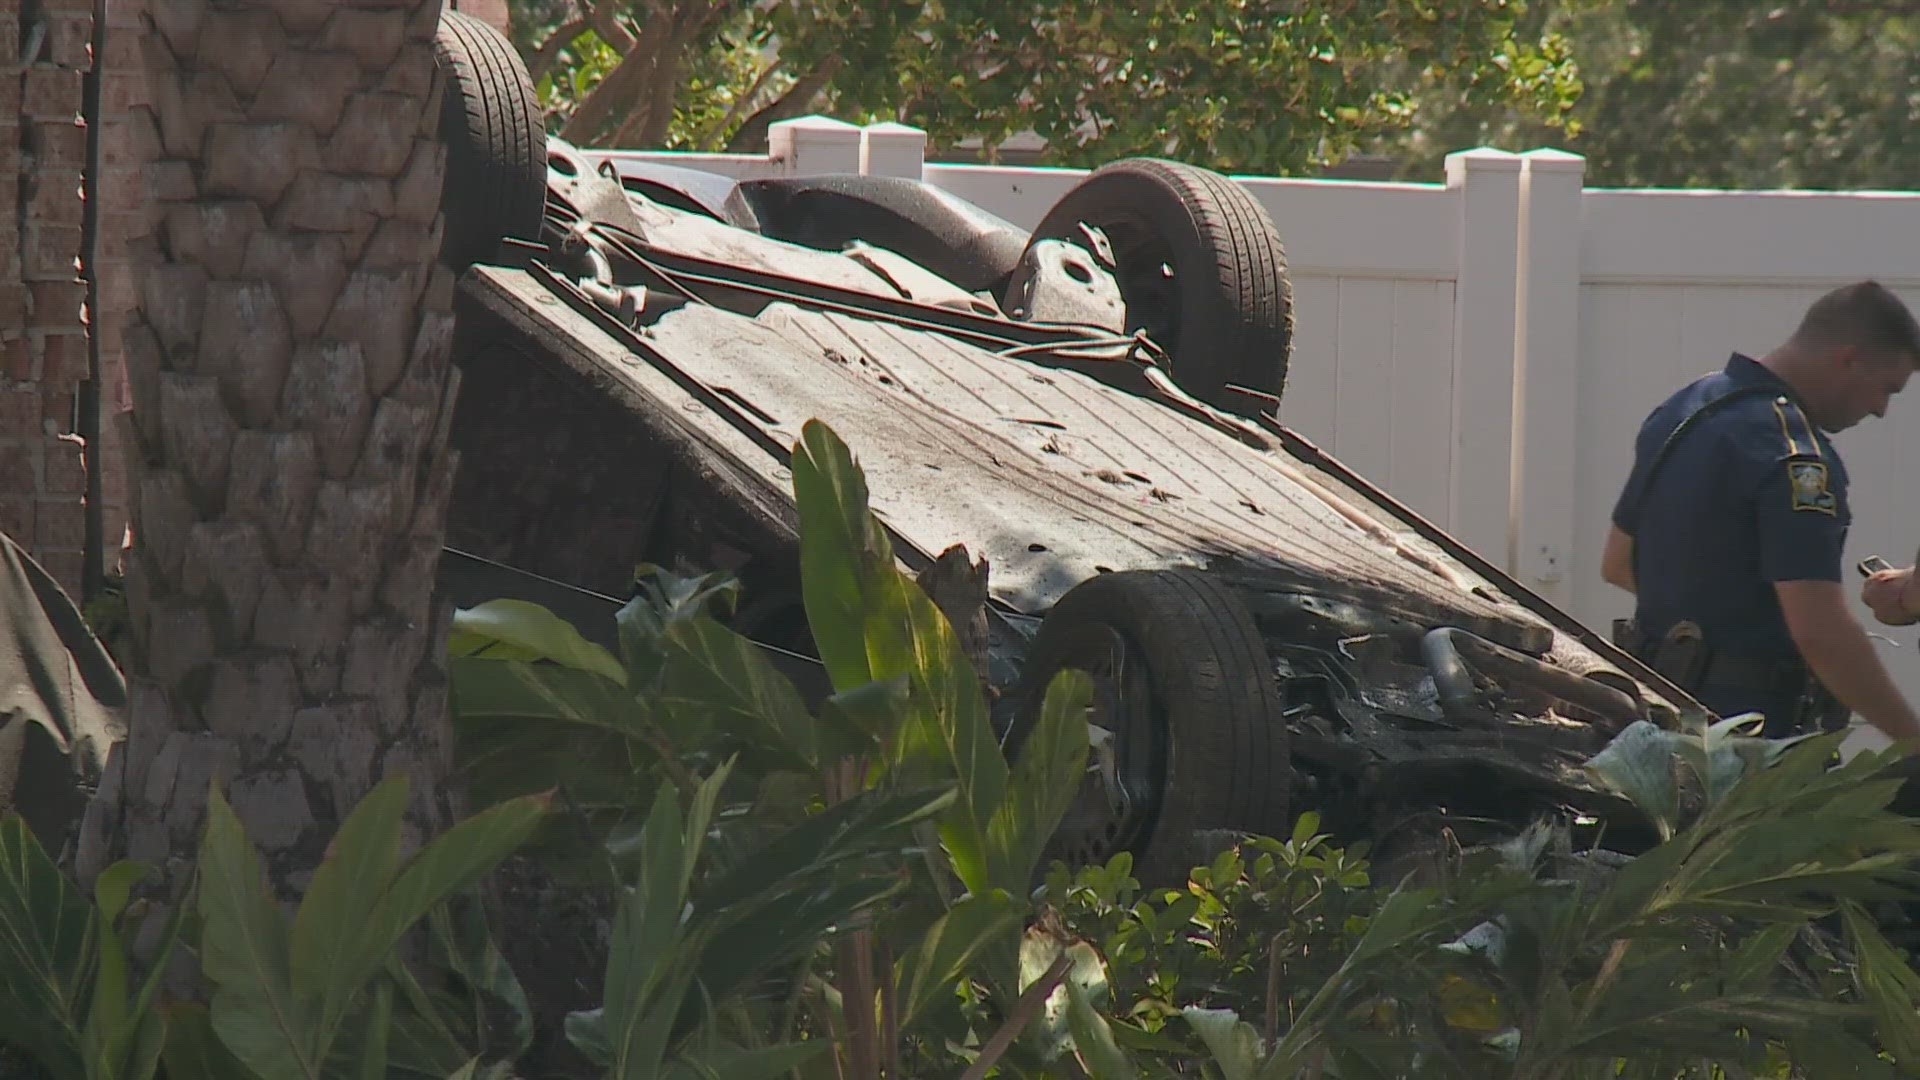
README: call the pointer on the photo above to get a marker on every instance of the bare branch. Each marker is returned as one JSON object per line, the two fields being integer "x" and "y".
{"x": 1024, "y": 1010}
{"x": 606, "y": 23}
{"x": 541, "y": 63}
{"x": 619, "y": 92}
{"x": 714, "y": 137}
{"x": 651, "y": 122}
{"x": 752, "y": 136}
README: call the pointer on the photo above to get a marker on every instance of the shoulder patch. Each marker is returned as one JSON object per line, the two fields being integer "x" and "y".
{"x": 1808, "y": 481}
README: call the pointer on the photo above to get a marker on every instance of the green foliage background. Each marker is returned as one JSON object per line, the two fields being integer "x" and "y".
{"x": 1256, "y": 85}
{"x": 1789, "y": 94}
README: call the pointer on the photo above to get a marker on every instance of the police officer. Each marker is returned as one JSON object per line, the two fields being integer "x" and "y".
{"x": 1730, "y": 527}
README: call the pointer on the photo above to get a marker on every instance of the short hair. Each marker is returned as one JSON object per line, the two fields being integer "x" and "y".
{"x": 1865, "y": 315}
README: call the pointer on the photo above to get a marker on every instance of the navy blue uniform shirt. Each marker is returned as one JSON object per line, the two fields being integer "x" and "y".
{"x": 1750, "y": 494}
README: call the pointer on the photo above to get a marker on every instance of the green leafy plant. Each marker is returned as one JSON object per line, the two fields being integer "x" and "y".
{"x": 692, "y": 713}
{"x": 1744, "y": 944}
{"x": 312, "y": 999}
{"x": 285, "y": 994}
{"x": 926, "y": 951}
{"x": 66, "y": 990}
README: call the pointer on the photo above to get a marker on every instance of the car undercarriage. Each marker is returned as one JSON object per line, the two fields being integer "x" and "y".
{"x": 1070, "y": 431}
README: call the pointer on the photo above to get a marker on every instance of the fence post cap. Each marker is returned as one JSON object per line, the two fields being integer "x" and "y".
{"x": 1548, "y": 159}
{"x": 1480, "y": 159}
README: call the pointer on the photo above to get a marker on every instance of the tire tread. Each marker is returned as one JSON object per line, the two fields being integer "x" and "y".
{"x": 492, "y": 123}
{"x": 1231, "y": 764}
{"x": 1248, "y": 310}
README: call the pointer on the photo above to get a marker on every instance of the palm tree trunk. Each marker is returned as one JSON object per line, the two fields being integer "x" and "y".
{"x": 289, "y": 364}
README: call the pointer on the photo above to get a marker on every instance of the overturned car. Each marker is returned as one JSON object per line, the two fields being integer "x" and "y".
{"x": 1088, "y": 407}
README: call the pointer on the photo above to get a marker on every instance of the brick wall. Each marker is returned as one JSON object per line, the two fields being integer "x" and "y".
{"x": 44, "y": 55}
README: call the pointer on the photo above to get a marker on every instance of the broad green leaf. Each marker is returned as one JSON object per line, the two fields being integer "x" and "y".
{"x": 192, "y": 1048}
{"x": 1639, "y": 764}
{"x": 45, "y": 927}
{"x": 244, "y": 951}
{"x": 1234, "y": 1043}
{"x": 463, "y": 944}
{"x": 451, "y": 862}
{"x": 510, "y": 629}
{"x": 840, "y": 545}
{"x": 641, "y": 651}
{"x": 700, "y": 821}
{"x": 1729, "y": 750}
{"x": 740, "y": 1063}
{"x": 141, "y": 1050}
{"x": 379, "y": 1021}
{"x": 339, "y": 905}
{"x": 1093, "y": 1039}
{"x": 428, "y": 1037}
{"x": 1050, "y": 1034}
{"x": 1890, "y": 985}
{"x": 678, "y": 597}
{"x": 1639, "y": 886}
{"x": 1835, "y": 1053}
{"x": 1306, "y": 831}
{"x": 858, "y": 719}
{"x": 114, "y": 887}
{"x": 1405, "y": 916}
{"x": 1046, "y": 778}
{"x": 646, "y": 926}
{"x": 716, "y": 678}
{"x": 587, "y": 1033}
{"x": 949, "y": 948}
{"x": 1766, "y": 885}
{"x": 1468, "y": 1005}
{"x": 483, "y": 689}
{"x": 641, "y": 1053}
{"x": 945, "y": 733}
{"x": 866, "y": 825}
{"x": 113, "y": 1024}
{"x": 148, "y": 1046}
{"x": 664, "y": 599}
{"x": 777, "y": 933}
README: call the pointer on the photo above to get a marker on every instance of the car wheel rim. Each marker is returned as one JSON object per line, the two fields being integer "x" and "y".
{"x": 1143, "y": 268}
{"x": 1120, "y": 792}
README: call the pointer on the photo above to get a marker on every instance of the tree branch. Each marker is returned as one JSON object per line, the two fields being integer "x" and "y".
{"x": 541, "y": 63}
{"x": 714, "y": 138}
{"x": 615, "y": 93}
{"x": 606, "y": 23}
{"x": 752, "y": 136}
{"x": 651, "y": 124}
{"x": 1024, "y": 1010}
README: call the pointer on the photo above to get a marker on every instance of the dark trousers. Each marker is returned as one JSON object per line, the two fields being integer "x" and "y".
{"x": 1780, "y": 709}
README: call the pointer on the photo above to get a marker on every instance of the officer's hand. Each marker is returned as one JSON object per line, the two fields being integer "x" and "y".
{"x": 1893, "y": 597}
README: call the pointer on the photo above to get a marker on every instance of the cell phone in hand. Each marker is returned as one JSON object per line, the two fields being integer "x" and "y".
{"x": 1872, "y": 565}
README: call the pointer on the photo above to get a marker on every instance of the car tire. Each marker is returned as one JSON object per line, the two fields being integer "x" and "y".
{"x": 1194, "y": 706}
{"x": 1225, "y": 318}
{"x": 495, "y": 133}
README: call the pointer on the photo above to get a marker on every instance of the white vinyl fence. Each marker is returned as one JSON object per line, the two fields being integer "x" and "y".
{"x": 1485, "y": 348}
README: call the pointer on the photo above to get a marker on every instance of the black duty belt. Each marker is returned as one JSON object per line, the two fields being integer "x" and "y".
{"x": 1696, "y": 666}
{"x": 1764, "y": 676}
